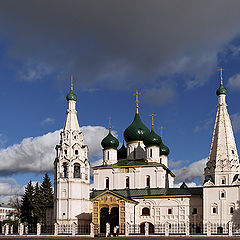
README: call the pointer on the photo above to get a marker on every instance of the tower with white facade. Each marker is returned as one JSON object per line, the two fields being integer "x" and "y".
{"x": 221, "y": 187}
{"x": 72, "y": 170}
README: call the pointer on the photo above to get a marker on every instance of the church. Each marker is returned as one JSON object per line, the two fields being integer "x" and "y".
{"x": 134, "y": 187}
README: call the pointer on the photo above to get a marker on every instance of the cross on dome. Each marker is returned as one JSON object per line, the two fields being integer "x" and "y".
{"x": 161, "y": 131}
{"x": 221, "y": 78}
{"x": 137, "y": 100}
{"x": 152, "y": 115}
{"x": 109, "y": 122}
{"x": 71, "y": 79}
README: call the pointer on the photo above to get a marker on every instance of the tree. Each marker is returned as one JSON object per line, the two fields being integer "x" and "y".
{"x": 37, "y": 204}
{"x": 15, "y": 202}
{"x": 27, "y": 205}
{"x": 46, "y": 196}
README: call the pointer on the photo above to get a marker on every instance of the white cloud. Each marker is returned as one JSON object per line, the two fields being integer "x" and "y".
{"x": 205, "y": 125}
{"x": 234, "y": 82}
{"x": 235, "y": 118}
{"x": 193, "y": 172}
{"x": 189, "y": 184}
{"x": 36, "y": 154}
{"x": 47, "y": 120}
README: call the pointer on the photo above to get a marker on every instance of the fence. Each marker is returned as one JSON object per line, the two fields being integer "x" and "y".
{"x": 145, "y": 228}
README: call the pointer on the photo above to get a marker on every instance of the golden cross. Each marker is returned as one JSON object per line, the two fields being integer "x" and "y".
{"x": 109, "y": 119}
{"x": 221, "y": 70}
{"x": 161, "y": 130}
{"x": 183, "y": 173}
{"x": 71, "y": 82}
{"x": 137, "y": 100}
{"x": 152, "y": 115}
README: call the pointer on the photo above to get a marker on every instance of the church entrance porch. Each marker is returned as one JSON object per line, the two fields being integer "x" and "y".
{"x": 109, "y": 207}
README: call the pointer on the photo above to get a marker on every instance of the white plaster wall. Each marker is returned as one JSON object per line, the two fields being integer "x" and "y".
{"x": 155, "y": 154}
{"x": 109, "y": 156}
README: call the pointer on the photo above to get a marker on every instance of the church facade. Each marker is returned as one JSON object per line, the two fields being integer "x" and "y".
{"x": 134, "y": 186}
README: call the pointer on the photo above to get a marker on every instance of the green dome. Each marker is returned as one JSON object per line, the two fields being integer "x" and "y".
{"x": 122, "y": 152}
{"x": 153, "y": 140}
{"x": 137, "y": 131}
{"x": 71, "y": 96}
{"x": 221, "y": 90}
{"x": 110, "y": 142}
{"x": 164, "y": 150}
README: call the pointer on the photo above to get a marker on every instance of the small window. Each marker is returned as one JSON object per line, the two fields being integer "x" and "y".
{"x": 63, "y": 213}
{"x": 169, "y": 210}
{"x": 65, "y": 151}
{"x": 134, "y": 153}
{"x": 65, "y": 170}
{"x": 107, "y": 183}
{"x": 150, "y": 153}
{"x": 75, "y": 137}
{"x": 214, "y": 210}
{"x": 148, "y": 181}
{"x": 232, "y": 151}
{"x": 127, "y": 182}
{"x": 76, "y": 152}
{"x": 145, "y": 211}
{"x": 76, "y": 172}
{"x": 222, "y": 195}
{"x": 108, "y": 155}
{"x": 231, "y": 209}
{"x": 223, "y": 181}
{"x": 194, "y": 211}
{"x": 160, "y": 160}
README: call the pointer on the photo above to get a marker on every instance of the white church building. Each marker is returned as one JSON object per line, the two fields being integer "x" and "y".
{"x": 134, "y": 188}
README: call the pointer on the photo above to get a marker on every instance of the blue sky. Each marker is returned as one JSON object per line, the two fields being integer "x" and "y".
{"x": 169, "y": 51}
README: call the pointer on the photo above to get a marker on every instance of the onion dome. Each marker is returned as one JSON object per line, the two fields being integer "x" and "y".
{"x": 164, "y": 150}
{"x": 122, "y": 152}
{"x": 221, "y": 90}
{"x": 110, "y": 141}
{"x": 137, "y": 131}
{"x": 153, "y": 140}
{"x": 71, "y": 96}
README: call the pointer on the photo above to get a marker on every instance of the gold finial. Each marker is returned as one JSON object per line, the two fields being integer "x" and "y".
{"x": 221, "y": 78}
{"x": 71, "y": 82}
{"x": 137, "y": 100}
{"x": 183, "y": 173}
{"x": 152, "y": 115}
{"x": 109, "y": 120}
{"x": 161, "y": 130}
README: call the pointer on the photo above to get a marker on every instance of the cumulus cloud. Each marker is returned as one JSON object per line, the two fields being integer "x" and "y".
{"x": 189, "y": 184}
{"x": 120, "y": 42}
{"x": 37, "y": 154}
{"x": 235, "y": 118}
{"x": 47, "y": 120}
{"x": 193, "y": 172}
{"x": 205, "y": 125}
{"x": 234, "y": 82}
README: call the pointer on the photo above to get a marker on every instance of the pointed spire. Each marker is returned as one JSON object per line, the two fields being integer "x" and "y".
{"x": 152, "y": 115}
{"x": 137, "y": 100}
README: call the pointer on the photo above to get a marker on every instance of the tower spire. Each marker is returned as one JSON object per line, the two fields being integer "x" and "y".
{"x": 71, "y": 79}
{"x": 221, "y": 77}
{"x": 137, "y": 100}
{"x": 152, "y": 115}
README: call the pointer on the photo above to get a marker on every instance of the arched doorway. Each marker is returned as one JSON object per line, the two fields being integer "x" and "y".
{"x": 114, "y": 218}
{"x": 220, "y": 230}
{"x": 142, "y": 228}
{"x": 104, "y": 218}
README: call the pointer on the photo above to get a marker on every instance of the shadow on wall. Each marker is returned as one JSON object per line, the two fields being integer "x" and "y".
{"x": 235, "y": 211}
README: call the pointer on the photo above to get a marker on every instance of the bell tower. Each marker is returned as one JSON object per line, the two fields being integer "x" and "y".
{"x": 71, "y": 170}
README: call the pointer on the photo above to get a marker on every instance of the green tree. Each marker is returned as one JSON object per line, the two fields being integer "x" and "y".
{"x": 46, "y": 196}
{"x": 37, "y": 204}
{"x": 27, "y": 205}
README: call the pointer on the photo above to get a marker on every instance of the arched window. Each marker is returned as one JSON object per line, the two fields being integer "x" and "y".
{"x": 65, "y": 170}
{"x": 145, "y": 211}
{"x": 223, "y": 180}
{"x": 150, "y": 152}
{"x": 76, "y": 152}
{"x": 76, "y": 170}
{"x": 214, "y": 208}
{"x": 127, "y": 182}
{"x": 134, "y": 153}
{"x": 108, "y": 155}
{"x": 231, "y": 210}
{"x": 222, "y": 194}
{"x": 107, "y": 182}
{"x": 148, "y": 181}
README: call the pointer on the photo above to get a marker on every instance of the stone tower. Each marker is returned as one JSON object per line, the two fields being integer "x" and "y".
{"x": 221, "y": 186}
{"x": 72, "y": 171}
